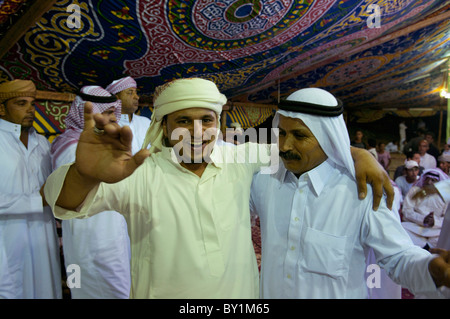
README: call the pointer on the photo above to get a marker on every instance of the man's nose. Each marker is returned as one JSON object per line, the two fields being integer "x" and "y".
{"x": 197, "y": 129}
{"x": 285, "y": 143}
{"x": 31, "y": 107}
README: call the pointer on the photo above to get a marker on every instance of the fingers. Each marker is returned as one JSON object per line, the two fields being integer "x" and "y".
{"x": 136, "y": 161}
{"x": 389, "y": 191}
{"x": 362, "y": 186}
{"x": 126, "y": 135}
{"x": 419, "y": 194}
{"x": 88, "y": 116}
{"x": 439, "y": 251}
{"x": 140, "y": 156}
{"x": 377, "y": 194}
{"x": 440, "y": 269}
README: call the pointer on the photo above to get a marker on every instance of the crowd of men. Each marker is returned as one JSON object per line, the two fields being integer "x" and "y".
{"x": 157, "y": 209}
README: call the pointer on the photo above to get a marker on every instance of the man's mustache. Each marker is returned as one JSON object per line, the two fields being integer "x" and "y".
{"x": 289, "y": 155}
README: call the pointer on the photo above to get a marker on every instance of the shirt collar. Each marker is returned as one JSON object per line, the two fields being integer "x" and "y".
{"x": 316, "y": 178}
{"x": 12, "y": 128}
{"x": 125, "y": 119}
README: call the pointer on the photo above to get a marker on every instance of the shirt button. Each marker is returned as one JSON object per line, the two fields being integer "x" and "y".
{"x": 296, "y": 219}
{"x": 292, "y": 247}
{"x": 301, "y": 191}
{"x": 289, "y": 276}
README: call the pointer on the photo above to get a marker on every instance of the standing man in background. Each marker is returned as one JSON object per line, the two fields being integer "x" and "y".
{"x": 100, "y": 245}
{"x": 29, "y": 249}
{"x": 126, "y": 90}
{"x": 426, "y": 160}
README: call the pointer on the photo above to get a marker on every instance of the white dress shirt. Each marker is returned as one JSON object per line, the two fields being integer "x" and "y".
{"x": 100, "y": 246}
{"x": 27, "y": 229}
{"x": 444, "y": 239}
{"x": 428, "y": 161}
{"x": 403, "y": 184}
{"x": 316, "y": 233}
{"x": 190, "y": 236}
{"x": 139, "y": 126}
{"x": 414, "y": 213}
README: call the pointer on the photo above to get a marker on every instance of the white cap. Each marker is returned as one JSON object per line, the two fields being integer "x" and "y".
{"x": 411, "y": 164}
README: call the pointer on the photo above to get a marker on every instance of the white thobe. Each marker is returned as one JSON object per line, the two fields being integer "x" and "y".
{"x": 403, "y": 184}
{"x": 190, "y": 236}
{"x": 100, "y": 246}
{"x": 444, "y": 239}
{"x": 28, "y": 235}
{"x": 316, "y": 233}
{"x": 387, "y": 289}
{"x": 139, "y": 126}
{"x": 428, "y": 161}
{"x": 415, "y": 211}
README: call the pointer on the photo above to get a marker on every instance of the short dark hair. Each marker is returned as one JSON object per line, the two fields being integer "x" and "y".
{"x": 431, "y": 134}
{"x": 410, "y": 154}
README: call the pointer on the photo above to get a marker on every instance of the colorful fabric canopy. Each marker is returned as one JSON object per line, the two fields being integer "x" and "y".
{"x": 254, "y": 50}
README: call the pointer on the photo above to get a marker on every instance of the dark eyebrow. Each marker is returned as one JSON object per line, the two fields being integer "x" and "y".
{"x": 185, "y": 117}
{"x": 299, "y": 131}
{"x": 294, "y": 131}
{"x": 25, "y": 100}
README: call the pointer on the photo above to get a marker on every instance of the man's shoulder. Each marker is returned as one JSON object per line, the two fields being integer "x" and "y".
{"x": 268, "y": 178}
{"x": 401, "y": 180}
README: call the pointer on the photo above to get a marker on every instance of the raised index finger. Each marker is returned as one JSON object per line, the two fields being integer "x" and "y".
{"x": 89, "y": 121}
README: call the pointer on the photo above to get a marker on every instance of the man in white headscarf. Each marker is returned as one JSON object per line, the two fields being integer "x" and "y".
{"x": 186, "y": 205}
{"x": 423, "y": 218}
{"x": 99, "y": 245}
{"x": 29, "y": 252}
{"x": 125, "y": 89}
{"x": 315, "y": 231}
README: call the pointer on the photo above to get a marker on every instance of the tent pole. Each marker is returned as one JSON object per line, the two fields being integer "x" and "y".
{"x": 441, "y": 117}
{"x": 447, "y": 86}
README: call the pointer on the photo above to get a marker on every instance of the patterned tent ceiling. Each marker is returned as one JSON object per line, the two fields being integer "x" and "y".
{"x": 256, "y": 51}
